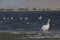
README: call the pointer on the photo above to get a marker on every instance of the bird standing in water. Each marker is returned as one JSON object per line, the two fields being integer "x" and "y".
{"x": 46, "y": 26}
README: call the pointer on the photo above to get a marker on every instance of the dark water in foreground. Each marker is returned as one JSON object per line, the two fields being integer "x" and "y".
{"x": 29, "y": 20}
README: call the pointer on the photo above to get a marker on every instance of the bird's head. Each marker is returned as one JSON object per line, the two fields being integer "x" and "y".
{"x": 48, "y": 20}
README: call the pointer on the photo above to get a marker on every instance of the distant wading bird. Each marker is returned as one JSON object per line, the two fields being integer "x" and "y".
{"x": 46, "y": 26}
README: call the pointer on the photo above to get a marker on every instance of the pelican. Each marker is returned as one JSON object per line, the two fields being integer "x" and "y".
{"x": 46, "y": 26}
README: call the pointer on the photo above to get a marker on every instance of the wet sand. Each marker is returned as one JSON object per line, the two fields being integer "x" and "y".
{"x": 10, "y": 36}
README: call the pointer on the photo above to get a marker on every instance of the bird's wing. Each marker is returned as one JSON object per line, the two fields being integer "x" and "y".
{"x": 42, "y": 27}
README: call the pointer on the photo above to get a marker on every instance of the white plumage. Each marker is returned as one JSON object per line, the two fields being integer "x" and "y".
{"x": 46, "y": 27}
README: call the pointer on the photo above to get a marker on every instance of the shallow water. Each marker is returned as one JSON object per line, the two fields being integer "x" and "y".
{"x": 31, "y": 20}
{"x": 29, "y": 35}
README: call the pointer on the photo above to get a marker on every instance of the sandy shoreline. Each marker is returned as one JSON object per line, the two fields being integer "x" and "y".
{"x": 11, "y": 36}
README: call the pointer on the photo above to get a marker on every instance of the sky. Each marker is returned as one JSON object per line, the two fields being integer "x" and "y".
{"x": 30, "y": 3}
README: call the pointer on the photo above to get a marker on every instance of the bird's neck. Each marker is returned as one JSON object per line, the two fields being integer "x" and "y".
{"x": 48, "y": 22}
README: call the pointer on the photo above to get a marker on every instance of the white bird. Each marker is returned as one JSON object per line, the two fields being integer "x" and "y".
{"x": 4, "y": 17}
{"x": 11, "y": 17}
{"x": 46, "y": 26}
